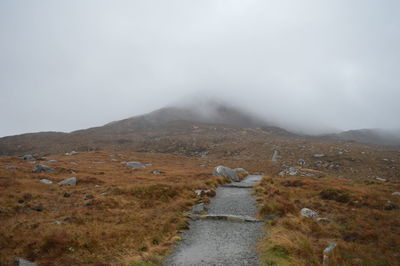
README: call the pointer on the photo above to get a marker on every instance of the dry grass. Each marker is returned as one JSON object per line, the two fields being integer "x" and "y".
{"x": 364, "y": 221}
{"x": 132, "y": 218}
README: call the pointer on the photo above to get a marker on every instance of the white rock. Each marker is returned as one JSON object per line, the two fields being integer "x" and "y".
{"x": 46, "y": 181}
{"x": 308, "y": 213}
{"x": 69, "y": 181}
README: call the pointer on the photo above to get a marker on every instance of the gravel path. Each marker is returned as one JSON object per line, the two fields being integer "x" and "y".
{"x": 218, "y": 242}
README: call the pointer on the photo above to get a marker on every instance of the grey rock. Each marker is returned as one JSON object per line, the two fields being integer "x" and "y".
{"x": 301, "y": 162}
{"x": 11, "y": 167}
{"x": 155, "y": 172}
{"x": 288, "y": 171}
{"x": 308, "y": 213}
{"x": 41, "y": 168}
{"x": 225, "y": 172}
{"x": 199, "y": 208}
{"x": 28, "y": 157}
{"x": 52, "y": 161}
{"x": 23, "y": 262}
{"x": 319, "y": 155}
{"x": 380, "y": 179}
{"x": 46, "y": 181}
{"x": 58, "y": 222}
{"x": 396, "y": 193}
{"x": 71, "y": 153}
{"x": 200, "y": 192}
{"x": 327, "y": 252}
{"x": 69, "y": 181}
{"x": 135, "y": 164}
{"x": 241, "y": 171}
{"x": 330, "y": 248}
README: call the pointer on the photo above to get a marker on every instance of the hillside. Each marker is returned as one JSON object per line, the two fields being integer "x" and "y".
{"x": 166, "y": 130}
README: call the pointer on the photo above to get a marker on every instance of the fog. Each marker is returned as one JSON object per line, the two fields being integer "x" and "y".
{"x": 310, "y": 66}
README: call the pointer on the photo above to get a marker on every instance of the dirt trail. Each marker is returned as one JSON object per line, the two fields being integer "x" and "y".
{"x": 223, "y": 242}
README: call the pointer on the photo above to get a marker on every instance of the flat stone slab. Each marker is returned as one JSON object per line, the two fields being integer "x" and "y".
{"x": 229, "y": 217}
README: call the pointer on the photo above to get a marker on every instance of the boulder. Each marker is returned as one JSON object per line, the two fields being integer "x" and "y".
{"x": 28, "y": 157}
{"x": 327, "y": 252}
{"x": 241, "y": 173}
{"x": 135, "y": 164}
{"x": 69, "y": 181}
{"x": 23, "y": 262}
{"x": 71, "y": 153}
{"x": 46, "y": 181}
{"x": 41, "y": 168}
{"x": 308, "y": 213}
{"x": 226, "y": 172}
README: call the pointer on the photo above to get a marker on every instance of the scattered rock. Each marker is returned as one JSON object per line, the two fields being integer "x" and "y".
{"x": 11, "y": 167}
{"x": 301, "y": 162}
{"x": 41, "y": 168}
{"x": 199, "y": 208}
{"x": 207, "y": 192}
{"x": 88, "y": 197}
{"x": 46, "y": 181}
{"x": 67, "y": 195}
{"x": 288, "y": 171}
{"x": 38, "y": 208}
{"x": 69, "y": 181}
{"x": 319, "y": 155}
{"x": 226, "y": 172}
{"x": 135, "y": 164}
{"x": 396, "y": 193}
{"x": 23, "y": 262}
{"x": 308, "y": 213}
{"x": 155, "y": 172}
{"x": 52, "y": 161}
{"x": 28, "y": 157}
{"x": 327, "y": 252}
{"x": 381, "y": 179}
{"x": 58, "y": 222}
{"x": 71, "y": 153}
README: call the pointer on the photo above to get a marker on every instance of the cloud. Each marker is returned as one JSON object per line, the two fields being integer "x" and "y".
{"x": 308, "y": 65}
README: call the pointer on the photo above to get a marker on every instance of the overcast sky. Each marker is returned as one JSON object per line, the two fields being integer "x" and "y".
{"x": 307, "y": 65}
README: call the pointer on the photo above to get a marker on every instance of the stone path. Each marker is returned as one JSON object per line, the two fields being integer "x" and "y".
{"x": 228, "y": 234}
